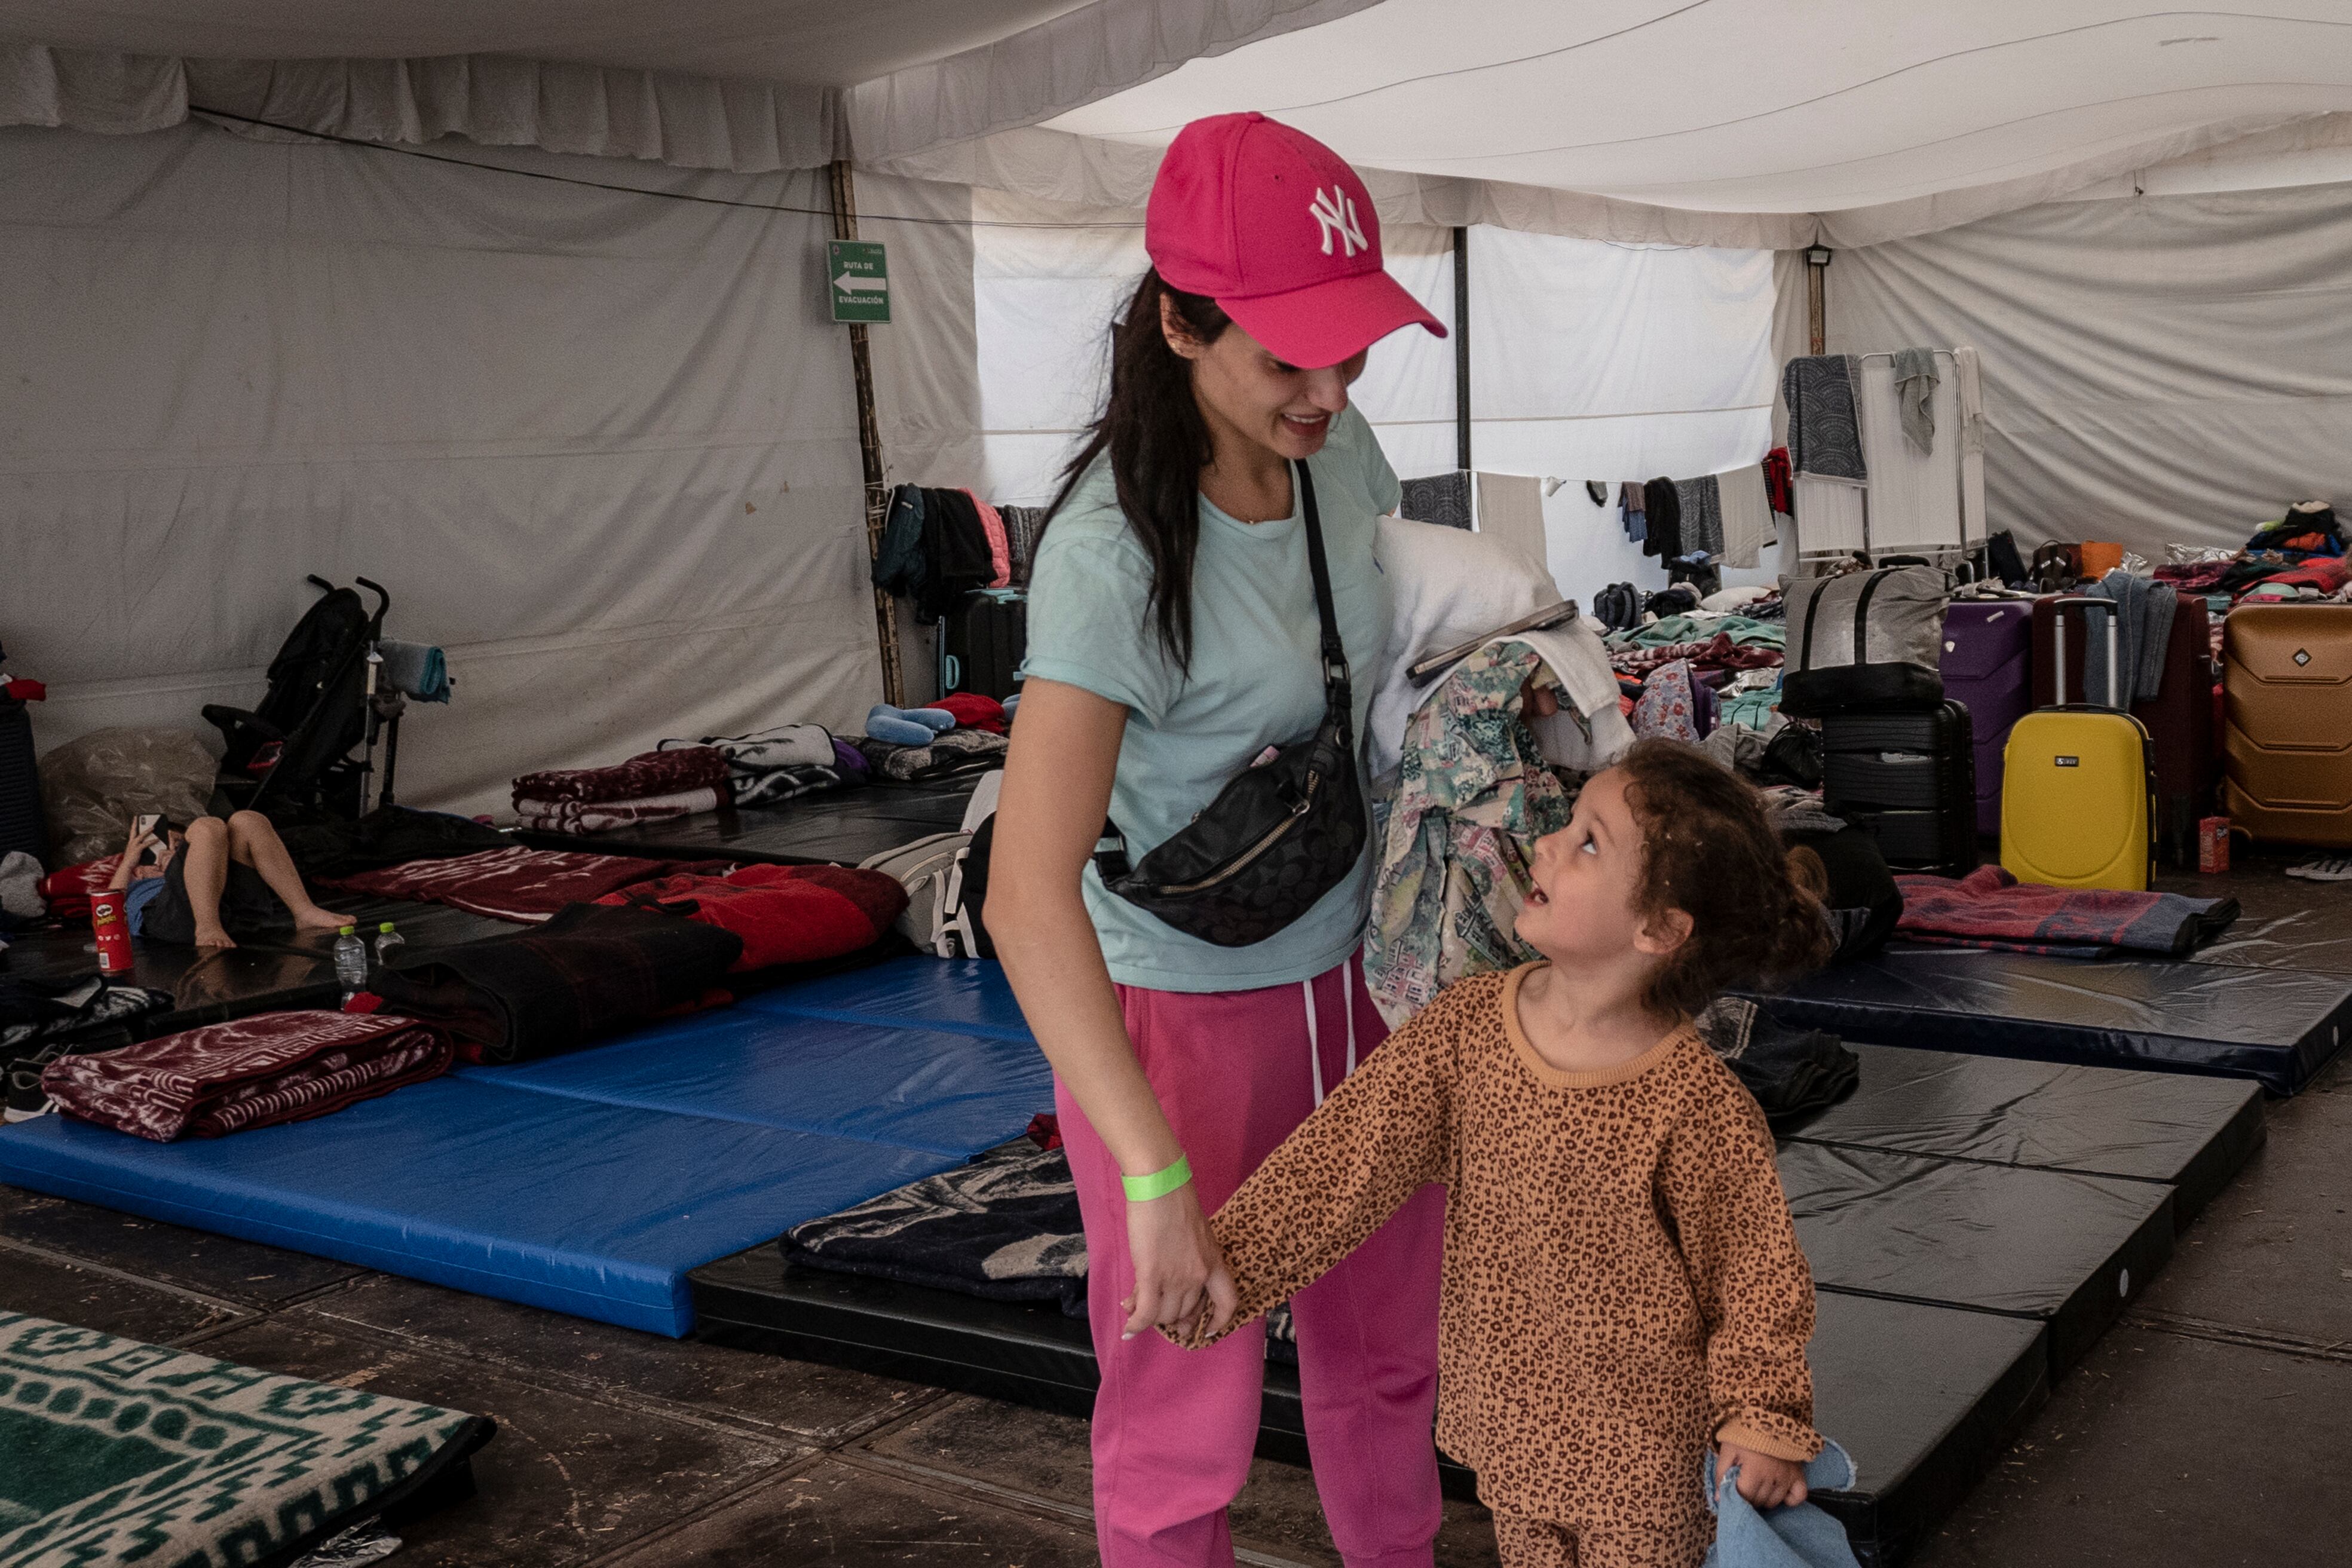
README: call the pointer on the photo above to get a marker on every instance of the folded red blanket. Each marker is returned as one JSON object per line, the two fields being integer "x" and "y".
{"x": 647, "y": 773}
{"x": 68, "y": 893}
{"x": 1990, "y": 907}
{"x": 785, "y": 914}
{"x": 521, "y": 885}
{"x": 249, "y": 1072}
{"x": 974, "y": 711}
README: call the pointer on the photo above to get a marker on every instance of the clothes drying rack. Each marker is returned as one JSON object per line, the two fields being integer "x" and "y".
{"x": 1967, "y": 485}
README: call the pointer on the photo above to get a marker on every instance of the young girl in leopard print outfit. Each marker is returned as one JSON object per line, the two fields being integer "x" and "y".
{"x": 1623, "y": 1285}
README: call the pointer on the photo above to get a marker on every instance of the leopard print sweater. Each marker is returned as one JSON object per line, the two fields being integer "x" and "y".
{"x": 1622, "y": 1278}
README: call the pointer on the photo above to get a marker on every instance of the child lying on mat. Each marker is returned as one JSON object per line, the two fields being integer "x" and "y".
{"x": 1622, "y": 1283}
{"x": 212, "y": 876}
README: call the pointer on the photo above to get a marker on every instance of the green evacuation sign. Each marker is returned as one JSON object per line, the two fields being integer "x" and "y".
{"x": 858, "y": 276}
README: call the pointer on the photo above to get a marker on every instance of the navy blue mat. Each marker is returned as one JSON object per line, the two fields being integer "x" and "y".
{"x": 2277, "y": 1026}
{"x": 590, "y": 1182}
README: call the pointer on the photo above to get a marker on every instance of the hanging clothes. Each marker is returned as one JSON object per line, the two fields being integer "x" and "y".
{"x": 1702, "y": 515}
{"x": 1662, "y": 507}
{"x": 1441, "y": 499}
{"x": 1747, "y": 515}
{"x": 1779, "y": 488}
{"x": 1824, "y": 432}
{"x": 1471, "y": 798}
{"x": 1915, "y": 393}
{"x": 1511, "y": 509}
{"x": 1630, "y": 514}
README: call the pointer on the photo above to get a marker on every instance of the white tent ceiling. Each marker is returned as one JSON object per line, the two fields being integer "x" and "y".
{"x": 1722, "y": 122}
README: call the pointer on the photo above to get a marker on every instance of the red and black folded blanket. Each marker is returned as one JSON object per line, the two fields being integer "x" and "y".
{"x": 784, "y": 914}
{"x": 249, "y": 1072}
{"x": 642, "y": 776}
{"x": 588, "y": 973}
{"x": 1990, "y": 907}
{"x": 514, "y": 883}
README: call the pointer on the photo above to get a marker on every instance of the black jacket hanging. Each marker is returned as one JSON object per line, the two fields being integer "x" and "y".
{"x": 1662, "y": 506}
{"x": 955, "y": 551}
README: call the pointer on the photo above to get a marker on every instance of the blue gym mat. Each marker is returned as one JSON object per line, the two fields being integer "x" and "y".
{"x": 590, "y": 1182}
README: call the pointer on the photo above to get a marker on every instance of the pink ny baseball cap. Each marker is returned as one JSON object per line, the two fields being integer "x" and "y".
{"x": 1275, "y": 227}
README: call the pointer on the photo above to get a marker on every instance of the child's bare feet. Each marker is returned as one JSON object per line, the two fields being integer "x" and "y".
{"x": 316, "y": 919}
{"x": 214, "y": 936}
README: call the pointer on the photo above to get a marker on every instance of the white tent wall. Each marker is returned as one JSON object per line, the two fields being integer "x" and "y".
{"x": 2155, "y": 368}
{"x": 926, "y": 384}
{"x": 1588, "y": 359}
{"x": 600, "y": 446}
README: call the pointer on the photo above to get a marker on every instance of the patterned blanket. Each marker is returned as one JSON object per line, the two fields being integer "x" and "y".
{"x": 956, "y": 752}
{"x": 1990, "y": 907}
{"x": 1004, "y": 1228}
{"x": 605, "y": 816}
{"x": 249, "y": 1072}
{"x": 1472, "y": 795}
{"x": 113, "y": 1452}
{"x": 525, "y": 886}
{"x": 646, "y": 773}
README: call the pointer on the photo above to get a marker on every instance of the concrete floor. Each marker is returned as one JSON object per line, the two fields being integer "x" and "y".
{"x": 2210, "y": 1429}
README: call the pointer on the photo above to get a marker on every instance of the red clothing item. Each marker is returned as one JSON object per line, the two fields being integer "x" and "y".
{"x": 67, "y": 891}
{"x": 785, "y": 914}
{"x": 974, "y": 712}
{"x": 1000, "y": 547}
{"x": 1780, "y": 485}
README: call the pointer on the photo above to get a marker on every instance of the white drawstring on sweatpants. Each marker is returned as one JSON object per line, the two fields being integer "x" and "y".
{"x": 1314, "y": 1043}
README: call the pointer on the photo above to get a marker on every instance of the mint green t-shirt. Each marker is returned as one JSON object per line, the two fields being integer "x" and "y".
{"x": 1255, "y": 681}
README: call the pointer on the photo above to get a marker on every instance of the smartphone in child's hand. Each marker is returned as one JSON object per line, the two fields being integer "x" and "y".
{"x": 144, "y": 825}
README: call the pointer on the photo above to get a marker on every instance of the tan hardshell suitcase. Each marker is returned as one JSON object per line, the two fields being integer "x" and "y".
{"x": 2286, "y": 742}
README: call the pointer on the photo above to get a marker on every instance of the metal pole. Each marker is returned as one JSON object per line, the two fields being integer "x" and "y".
{"x": 1460, "y": 348}
{"x": 869, "y": 447}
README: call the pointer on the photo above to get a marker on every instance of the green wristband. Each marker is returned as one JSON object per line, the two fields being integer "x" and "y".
{"x": 1159, "y": 1184}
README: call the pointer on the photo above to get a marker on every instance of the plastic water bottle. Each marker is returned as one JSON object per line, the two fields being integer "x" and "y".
{"x": 351, "y": 961}
{"x": 388, "y": 945}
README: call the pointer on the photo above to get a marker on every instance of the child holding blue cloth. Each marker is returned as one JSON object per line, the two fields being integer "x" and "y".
{"x": 1624, "y": 1297}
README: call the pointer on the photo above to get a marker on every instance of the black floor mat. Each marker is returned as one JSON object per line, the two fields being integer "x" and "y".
{"x": 2193, "y": 1133}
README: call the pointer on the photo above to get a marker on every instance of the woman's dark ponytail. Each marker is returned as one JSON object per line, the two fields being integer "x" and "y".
{"x": 1158, "y": 442}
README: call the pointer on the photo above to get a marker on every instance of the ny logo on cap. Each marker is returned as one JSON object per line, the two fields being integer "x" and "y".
{"x": 1334, "y": 211}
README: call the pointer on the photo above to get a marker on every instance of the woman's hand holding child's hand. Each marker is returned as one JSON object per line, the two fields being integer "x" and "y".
{"x": 1179, "y": 1272}
{"x": 1764, "y": 1480}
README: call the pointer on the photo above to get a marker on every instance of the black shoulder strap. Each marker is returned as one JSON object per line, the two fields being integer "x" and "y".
{"x": 1812, "y": 608}
{"x": 1336, "y": 693}
{"x": 1861, "y": 613}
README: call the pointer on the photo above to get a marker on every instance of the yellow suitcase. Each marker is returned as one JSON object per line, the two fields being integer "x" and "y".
{"x": 2078, "y": 786}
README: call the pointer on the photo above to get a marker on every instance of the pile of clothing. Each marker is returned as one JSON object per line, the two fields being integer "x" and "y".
{"x": 768, "y": 767}
{"x": 961, "y": 733}
{"x": 652, "y": 786}
{"x": 2299, "y": 556}
{"x": 1691, "y": 665}
{"x": 940, "y": 544}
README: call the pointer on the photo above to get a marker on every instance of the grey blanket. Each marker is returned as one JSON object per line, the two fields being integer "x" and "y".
{"x": 1824, "y": 436}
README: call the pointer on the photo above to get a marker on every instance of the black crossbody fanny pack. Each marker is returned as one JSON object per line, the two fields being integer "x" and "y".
{"x": 1277, "y": 836}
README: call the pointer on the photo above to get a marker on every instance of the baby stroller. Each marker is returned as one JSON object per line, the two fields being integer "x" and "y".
{"x": 289, "y": 758}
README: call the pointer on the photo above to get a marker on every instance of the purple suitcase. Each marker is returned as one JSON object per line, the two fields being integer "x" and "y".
{"x": 1987, "y": 665}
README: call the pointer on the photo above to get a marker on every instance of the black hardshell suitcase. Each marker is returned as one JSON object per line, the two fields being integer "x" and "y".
{"x": 982, "y": 642}
{"x": 1908, "y": 779}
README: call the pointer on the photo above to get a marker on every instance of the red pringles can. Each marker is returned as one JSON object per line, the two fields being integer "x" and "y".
{"x": 112, "y": 926}
{"x": 2214, "y": 844}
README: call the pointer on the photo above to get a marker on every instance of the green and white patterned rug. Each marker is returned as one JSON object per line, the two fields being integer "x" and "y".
{"x": 117, "y": 1452}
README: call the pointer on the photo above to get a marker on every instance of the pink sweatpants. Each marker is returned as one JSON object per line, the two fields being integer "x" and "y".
{"x": 1173, "y": 1430}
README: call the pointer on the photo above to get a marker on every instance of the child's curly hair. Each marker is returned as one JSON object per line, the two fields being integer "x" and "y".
{"x": 1709, "y": 849}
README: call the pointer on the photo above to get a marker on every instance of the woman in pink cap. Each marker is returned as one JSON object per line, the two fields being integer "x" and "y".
{"x": 1175, "y": 639}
